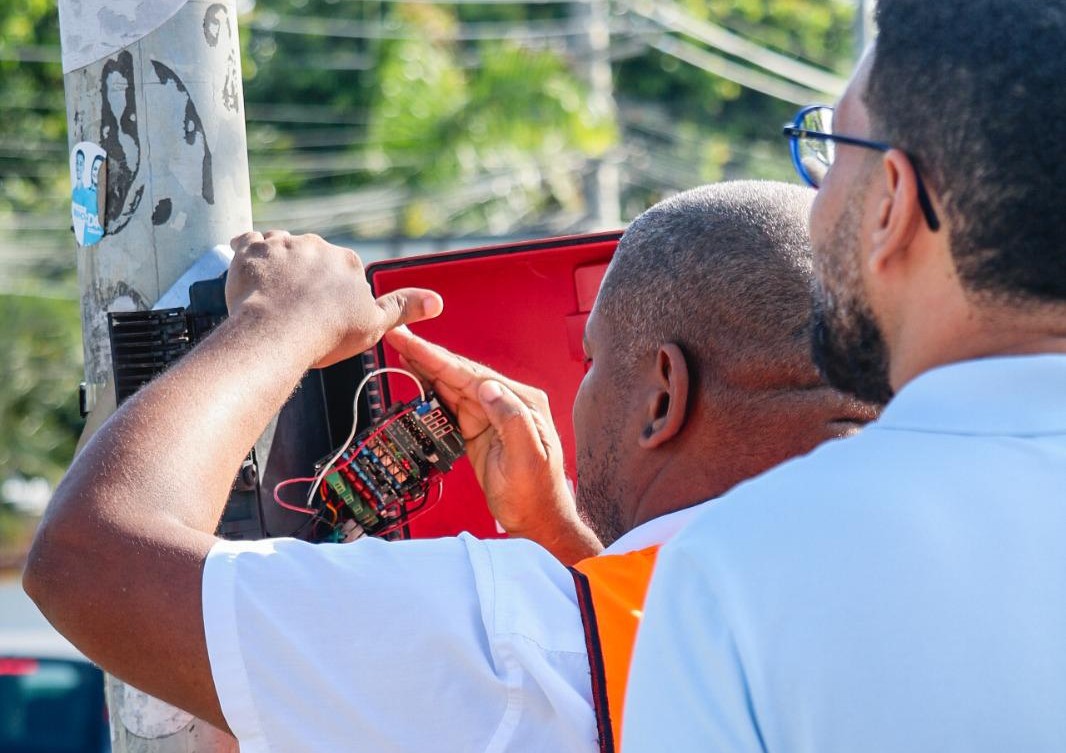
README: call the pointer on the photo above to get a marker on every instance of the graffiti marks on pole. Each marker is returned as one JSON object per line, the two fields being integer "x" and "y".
{"x": 218, "y": 28}
{"x": 191, "y": 130}
{"x": 120, "y": 138}
{"x": 78, "y": 128}
{"x": 162, "y": 211}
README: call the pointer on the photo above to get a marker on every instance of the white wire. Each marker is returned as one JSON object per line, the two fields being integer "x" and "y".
{"x": 355, "y": 422}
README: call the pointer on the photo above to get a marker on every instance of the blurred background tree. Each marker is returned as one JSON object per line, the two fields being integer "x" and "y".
{"x": 385, "y": 119}
{"x": 34, "y": 186}
{"x": 40, "y": 338}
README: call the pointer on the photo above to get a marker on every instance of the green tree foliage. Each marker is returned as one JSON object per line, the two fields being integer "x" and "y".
{"x": 40, "y": 365}
{"x": 719, "y": 130}
{"x": 40, "y": 341}
{"x": 426, "y": 102}
{"x": 427, "y": 110}
{"x": 519, "y": 113}
{"x": 40, "y": 360}
{"x": 450, "y": 118}
{"x": 33, "y": 172}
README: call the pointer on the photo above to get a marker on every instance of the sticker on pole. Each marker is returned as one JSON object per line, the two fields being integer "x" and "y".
{"x": 88, "y": 176}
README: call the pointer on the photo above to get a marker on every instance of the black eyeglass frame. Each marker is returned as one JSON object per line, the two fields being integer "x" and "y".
{"x": 794, "y": 133}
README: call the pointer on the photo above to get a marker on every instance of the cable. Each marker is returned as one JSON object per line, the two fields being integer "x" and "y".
{"x": 355, "y": 453}
{"x": 316, "y": 481}
{"x": 282, "y": 503}
{"x": 328, "y": 467}
{"x": 743, "y": 75}
{"x": 416, "y": 512}
{"x": 676, "y": 18}
{"x": 340, "y": 28}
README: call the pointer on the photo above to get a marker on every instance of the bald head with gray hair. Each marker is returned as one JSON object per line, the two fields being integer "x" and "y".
{"x": 701, "y": 372}
{"x": 724, "y": 271}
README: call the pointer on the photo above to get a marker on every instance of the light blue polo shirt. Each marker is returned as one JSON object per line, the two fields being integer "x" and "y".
{"x": 903, "y": 590}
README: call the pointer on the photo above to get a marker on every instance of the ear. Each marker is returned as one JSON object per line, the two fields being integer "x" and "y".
{"x": 899, "y": 212}
{"x": 666, "y": 408}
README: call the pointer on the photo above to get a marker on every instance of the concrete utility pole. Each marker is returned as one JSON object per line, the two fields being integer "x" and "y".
{"x": 592, "y": 54}
{"x": 157, "y": 85}
{"x": 864, "y": 25}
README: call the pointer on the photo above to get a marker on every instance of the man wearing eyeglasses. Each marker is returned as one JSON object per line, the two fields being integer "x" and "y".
{"x": 902, "y": 590}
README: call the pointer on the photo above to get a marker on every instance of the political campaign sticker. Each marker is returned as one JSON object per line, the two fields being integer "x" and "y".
{"x": 88, "y": 176}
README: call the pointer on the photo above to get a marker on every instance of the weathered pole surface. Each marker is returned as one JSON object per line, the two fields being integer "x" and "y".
{"x": 864, "y": 25}
{"x": 592, "y": 57}
{"x": 157, "y": 85}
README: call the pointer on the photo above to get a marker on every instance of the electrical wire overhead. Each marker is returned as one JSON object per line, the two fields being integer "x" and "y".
{"x": 675, "y": 18}
{"x": 735, "y": 72}
{"x": 465, "y": 32}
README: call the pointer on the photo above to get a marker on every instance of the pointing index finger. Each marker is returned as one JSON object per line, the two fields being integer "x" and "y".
{"x": 439, "y": 364}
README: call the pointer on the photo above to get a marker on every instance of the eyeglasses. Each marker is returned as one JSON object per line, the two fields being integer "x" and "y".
{"x": 813, "y": 145}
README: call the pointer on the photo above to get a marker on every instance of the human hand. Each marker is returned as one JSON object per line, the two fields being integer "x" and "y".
{"x": 317, "y": 293}
{"x": 512, "y": 444}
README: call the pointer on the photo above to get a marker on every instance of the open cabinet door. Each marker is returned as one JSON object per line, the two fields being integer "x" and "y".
{"x": 519, "y": 309}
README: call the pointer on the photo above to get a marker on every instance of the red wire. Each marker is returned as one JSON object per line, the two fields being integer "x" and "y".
{"x": 286, "y": 505}
{"x": 365, "y": 442}
{"x": 333, "y": 469}
{"x": 419, "y": 511}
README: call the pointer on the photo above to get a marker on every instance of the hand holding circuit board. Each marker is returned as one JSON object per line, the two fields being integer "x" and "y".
{"x": 381, "y": 479}
{"x": 512, "y": 443}
{"x": 317, "y": 295}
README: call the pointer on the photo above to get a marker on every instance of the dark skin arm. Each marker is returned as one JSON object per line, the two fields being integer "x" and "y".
{"x": 117, "y": 562}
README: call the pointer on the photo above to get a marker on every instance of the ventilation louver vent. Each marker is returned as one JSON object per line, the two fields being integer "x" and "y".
{"x": 144, "y": 344}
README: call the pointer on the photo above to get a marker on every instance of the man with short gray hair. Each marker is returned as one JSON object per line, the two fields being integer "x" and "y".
{"x": 451, "y": 644}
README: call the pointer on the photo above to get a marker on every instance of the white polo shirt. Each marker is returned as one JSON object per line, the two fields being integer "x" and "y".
{"x": 903, "y": 590}
{"x": 451, "y": 644}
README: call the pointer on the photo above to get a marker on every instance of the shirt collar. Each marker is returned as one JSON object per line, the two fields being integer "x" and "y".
{"x": 1018, "y": 395}
{"x": 656, "y": 531}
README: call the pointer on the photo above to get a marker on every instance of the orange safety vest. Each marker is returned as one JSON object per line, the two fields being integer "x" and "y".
{"x": 610, "y": 592}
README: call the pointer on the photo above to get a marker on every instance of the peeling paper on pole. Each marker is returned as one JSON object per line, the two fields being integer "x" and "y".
{"x": 148, "y": 717}
{"x": 94, "y": 29}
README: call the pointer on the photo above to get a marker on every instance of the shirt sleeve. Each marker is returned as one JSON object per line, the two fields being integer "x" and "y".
{"x": 368, "y": 646}
{"x": 687, "y": 688}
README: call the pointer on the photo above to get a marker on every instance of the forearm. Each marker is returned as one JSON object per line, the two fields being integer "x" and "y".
{"x": 117, "y": 564}
{"x": 157, "y": 474}
{"x": 122, "y": 545}
{"x": 182, "y": 438}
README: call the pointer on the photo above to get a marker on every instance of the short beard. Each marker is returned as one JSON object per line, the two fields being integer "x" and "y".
{"x": 599, "y": 500}
{"x": 846, "y": 344}
{"x": 849, "y": 351}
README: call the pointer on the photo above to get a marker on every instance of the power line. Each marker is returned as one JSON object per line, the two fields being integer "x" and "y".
{"x": 471, "y": 2}
{"x": 31, "y": 54}
{"x": 473, "y": 31}
{"x": 675, "y": 18}
{"x": 30, "y": 287}
{"x": 731, "y": 71}
{"x": 306, "y": 114}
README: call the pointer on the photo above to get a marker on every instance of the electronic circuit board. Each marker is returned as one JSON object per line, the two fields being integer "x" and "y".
{"x": 384, "y": 474}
